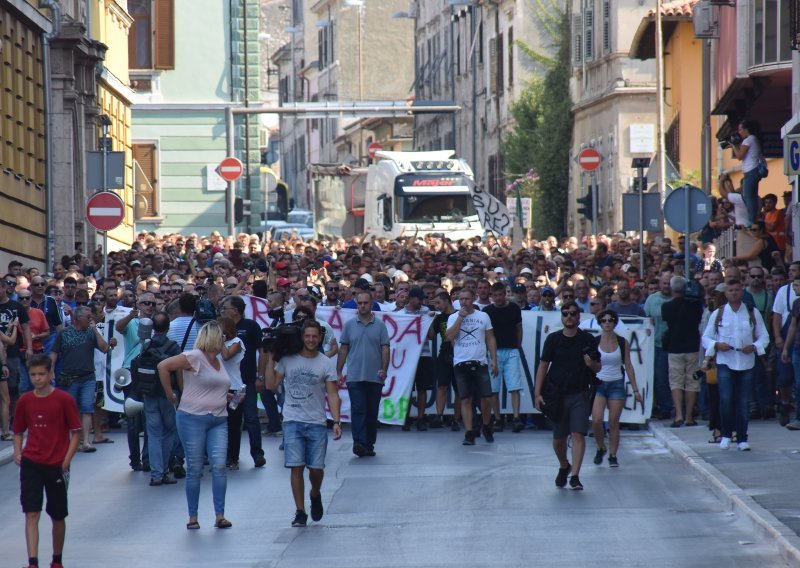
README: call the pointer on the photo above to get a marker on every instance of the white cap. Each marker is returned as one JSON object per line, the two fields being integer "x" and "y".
{"x": 367, "y": 276}
{"x": 500, "y": 270}
{"x": 399, "y": 275}
{"x": 526, "y": 270}
{"x": 466, "y": 267}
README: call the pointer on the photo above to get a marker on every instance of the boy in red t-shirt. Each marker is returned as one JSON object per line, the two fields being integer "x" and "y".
{"x": 51, "y": 419}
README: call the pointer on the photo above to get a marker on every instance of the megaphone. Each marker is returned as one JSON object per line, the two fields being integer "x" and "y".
{"x": 122, "y": 379}
{"x": 132, "y": 407}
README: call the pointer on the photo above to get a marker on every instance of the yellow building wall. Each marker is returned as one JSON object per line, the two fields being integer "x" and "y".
{"x": 684, "y": 96}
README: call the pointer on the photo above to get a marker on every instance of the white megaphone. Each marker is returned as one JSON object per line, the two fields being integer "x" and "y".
{"x": 132, "y": 407}
{"x": 122, "y": 379}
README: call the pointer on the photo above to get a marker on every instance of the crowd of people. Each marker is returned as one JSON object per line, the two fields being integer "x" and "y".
{"x": 209, "y": 359}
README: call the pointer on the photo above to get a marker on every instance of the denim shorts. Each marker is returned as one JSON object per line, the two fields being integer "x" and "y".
{"x": 612, "y": 390}
{"x": 84, "y": 394}
{"x": 510, "y": 369}
{"x": 304, "y": 444}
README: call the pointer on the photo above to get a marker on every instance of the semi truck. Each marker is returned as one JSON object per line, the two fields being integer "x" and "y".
{"x": 401, "y": 193}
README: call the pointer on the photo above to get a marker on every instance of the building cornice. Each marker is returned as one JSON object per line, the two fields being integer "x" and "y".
{"x": 119, "y": 16}
{"x": 34, "y": 16}
{"x": 112, "y": 83}
{"x": 608, "y": 95}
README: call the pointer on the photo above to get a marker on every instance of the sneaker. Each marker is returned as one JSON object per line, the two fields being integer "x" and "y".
{"x": 469, "y": 438}
{"x": 422, "y": 424}
{"x": 724, "y": 443}
{"x": 575, "y": 483}
{"x": 436, "y": 422}
{"x": 146, "y": 467}
{"x": 793, "y": 425}
{"x": 260, "y": 461}
{"x": 233, "y": 466}
{"x": 518, "y": 426}
{"x": 783, "y": 414}
{"x": 487, "y": 433}
{"x": 316, "y": 507}
{"x": 406, "y": 427}
{"x": 169, "y": 479}
{"x": 744, "y": 447}
{"x": 499, "y": 425}
{"x": 359, "y": 450}
{"x": 598, "y": 456}
{"x": 179, "y": 471}
{"x": 561, "y": 478}
{"x": 612, "y": 461}
{"x": 455, "y": 426}
{"x": 300, "y": 519}
{"x": 276, "y": 434}
{"x": 136, "y": 467}
{"x": 369, "y": 452}
{"x": 155, "y": 482}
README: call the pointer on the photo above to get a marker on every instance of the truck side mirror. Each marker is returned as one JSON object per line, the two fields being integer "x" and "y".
{"x": 387, "y": 213}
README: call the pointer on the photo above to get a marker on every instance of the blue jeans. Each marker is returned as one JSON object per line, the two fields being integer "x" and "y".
{"x": 734, "y": 400}
{"x": 83, "y": 393}
{"x": 750, "y": 193}
{"x": 200, "y": 435}
{"x": 161, "y": 432}
{"x": 251, "y": 423}
{"x": 796, "y": 366}
{"x": 663, "y": 395}
{"x": 24, "y": 380}
{"x": 365, "y": 400}
{"x": 269, "y": 398}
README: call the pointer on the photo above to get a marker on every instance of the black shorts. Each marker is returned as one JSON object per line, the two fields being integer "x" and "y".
{"x": 574, "y": 416}
{"x": 423, "y": 379}
{"x": 443, "y": 373}
{"x": 36, "y": 481}
{"x": 472, "y": 379}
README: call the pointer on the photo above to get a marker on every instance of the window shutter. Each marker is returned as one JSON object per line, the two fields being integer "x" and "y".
{"x": 510, "y": 56}
{"x": 606, "y": 26}
{"x": 588, "y": 34}
{"x": 500, "y": 65}
{"x": 492, "y": 65}
{"x": 164, "y": 23}
{"x": 144, "y": 157}
{"x": 577, "y": 40}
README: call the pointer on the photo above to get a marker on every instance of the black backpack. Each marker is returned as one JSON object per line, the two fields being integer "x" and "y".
{"x": 144, "y": 369}
{"x": 204, "y": 312}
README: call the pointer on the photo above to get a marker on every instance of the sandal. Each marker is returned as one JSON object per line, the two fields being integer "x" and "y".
{"x": 676, "y": 424}
{"x": 103, "y": 441}
{"x": 87, "y": 449}
{"x": 223, "y": 523}
{"x": 690, "y": 423}
{"x": 192, "y": 525}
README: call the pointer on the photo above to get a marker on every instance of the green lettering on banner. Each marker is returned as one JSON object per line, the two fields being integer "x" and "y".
{"x": 395, "y": 409}
{"x": 388, "y": 409}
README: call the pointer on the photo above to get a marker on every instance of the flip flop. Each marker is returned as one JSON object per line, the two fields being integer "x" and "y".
{"x": 692, "y": 423}
{"x": 676, "y": 424}
{"x": 223, "y": 523}
{"x": 714, "y": 440}
{"x": 88, "y": 449}
{"x": 193, "y": 526}
{"x": 103, "y": 441}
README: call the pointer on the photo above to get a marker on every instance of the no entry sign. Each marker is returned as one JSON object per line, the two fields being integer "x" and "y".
{"x": 105, "y": 211}
{"x": 373, "y": 148}
{"x": 589, "y": 159}
{"x": 230, "y": 169}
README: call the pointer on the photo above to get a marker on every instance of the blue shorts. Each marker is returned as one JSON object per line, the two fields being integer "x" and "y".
{"x": 304, "y": 444}
{"x": 510, "y": 369}
{"x": 84, "y": 394}
{"x": 612, "y": 390}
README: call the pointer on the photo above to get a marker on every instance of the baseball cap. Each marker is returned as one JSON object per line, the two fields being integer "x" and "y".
{"x": 367, "y": 276}
{"x": 361, "y": 284}
{"x": 547, "y": 290}
{"x": 526, "y": 270}
{"x": 416, "y": 292}
{"x": 500, "y": 270}
{"x": 519, "y": 288}
{"x": 280, "y": 265}
{"x": 136, "y": 263}
{"x": 283, "y": 282}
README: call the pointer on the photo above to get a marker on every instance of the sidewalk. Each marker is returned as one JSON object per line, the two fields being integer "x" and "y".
{"x": 761, "y": 484}
{"x": 6, "y": 452}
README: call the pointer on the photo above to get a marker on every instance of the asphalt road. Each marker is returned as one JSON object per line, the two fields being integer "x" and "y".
{"x": 425, "y": 501}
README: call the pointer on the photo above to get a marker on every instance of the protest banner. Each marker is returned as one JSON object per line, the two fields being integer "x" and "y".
{"x": 106, "y": 363}
{"x": 492, "y": 213}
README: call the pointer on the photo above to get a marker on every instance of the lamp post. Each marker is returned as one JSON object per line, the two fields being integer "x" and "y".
{"x": 105, "y": 146}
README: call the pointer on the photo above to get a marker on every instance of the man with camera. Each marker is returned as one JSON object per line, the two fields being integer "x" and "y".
{"x": 568, "y": 362}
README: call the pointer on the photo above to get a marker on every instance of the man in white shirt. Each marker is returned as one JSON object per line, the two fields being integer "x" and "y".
{"x": 736, "y": 334}
{"x": 781, "y": 310}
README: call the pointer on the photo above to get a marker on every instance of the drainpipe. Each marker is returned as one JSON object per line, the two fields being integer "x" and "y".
{"x": 55, "y": 16}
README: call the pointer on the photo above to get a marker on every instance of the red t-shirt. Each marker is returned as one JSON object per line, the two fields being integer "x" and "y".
{"x": 49, "y": 421}
{"x": 38, "y": 324}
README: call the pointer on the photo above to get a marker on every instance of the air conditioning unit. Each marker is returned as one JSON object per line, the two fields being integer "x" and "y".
{"x": 705, "y": 17}
{"x": 413, "y": 9}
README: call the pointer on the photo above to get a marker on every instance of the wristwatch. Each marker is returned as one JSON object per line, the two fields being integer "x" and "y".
{"x": 335, "y": 422}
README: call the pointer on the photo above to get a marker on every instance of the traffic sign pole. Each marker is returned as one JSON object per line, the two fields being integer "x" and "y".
{"x": 230, "y": 196}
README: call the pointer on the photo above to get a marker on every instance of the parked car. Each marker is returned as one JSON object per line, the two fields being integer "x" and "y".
{"x": 301, "y": 216}
{"x": 284, "y": 231}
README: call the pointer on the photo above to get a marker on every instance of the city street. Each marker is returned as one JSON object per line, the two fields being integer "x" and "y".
{"x": 425, "y": 500}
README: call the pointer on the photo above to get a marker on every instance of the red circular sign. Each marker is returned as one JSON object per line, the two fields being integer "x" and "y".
{"x": 589, "y": 159}
{"x": 230, "y": 169}
{"x": 105, "y": 211}
{"x": 373, "y": 148}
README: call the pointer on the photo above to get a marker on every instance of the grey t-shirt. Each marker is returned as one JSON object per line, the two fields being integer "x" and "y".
{"x": 365, "y": 342}
{"x": 304, "y": 381}
{"x": 76, "y": 352}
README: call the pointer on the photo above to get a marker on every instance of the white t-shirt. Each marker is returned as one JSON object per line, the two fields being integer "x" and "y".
{"x": 304, "y": 381}
{"x": 739, "y": 209}
{"x": 470, "y": 343}
{"x": 232, "y": 365}
{"x": 750, "y": 161}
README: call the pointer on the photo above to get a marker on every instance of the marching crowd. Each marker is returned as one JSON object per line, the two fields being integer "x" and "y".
{"x": 726, "y": 349}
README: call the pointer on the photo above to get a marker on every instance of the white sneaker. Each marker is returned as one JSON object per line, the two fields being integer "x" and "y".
{"x": 724, "y": 443}
{"x": 744, "y": 447}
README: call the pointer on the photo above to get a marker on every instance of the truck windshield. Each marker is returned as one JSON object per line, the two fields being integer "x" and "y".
{"x": 430, "y": 198}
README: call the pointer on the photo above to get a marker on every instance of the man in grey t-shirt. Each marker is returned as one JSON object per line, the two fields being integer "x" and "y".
{"x": 307, "y": 378}
{"x": 364, "y": 344}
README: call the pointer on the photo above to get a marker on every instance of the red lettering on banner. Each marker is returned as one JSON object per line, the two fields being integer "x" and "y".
{"x": 395, "y": 364}
{"x": 391, "y": 326}
{"x": 415, "y": 328}
{"x": 390, "y": 384}
{"x": 259, "y": 311}
{"x": 335, "y": 321}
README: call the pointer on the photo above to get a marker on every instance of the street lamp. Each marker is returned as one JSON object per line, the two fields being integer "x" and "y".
{"x": 105, "y": 122}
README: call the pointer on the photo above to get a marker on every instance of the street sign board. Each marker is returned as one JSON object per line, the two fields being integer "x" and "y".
{"x": 651, "y": 211}
{"x": 589, "y": 159}
{"x": 527, "y": 207}
{"x": 373, "y": 148}
{"x": 230, "y": 169}
{"x": 115, "y": 170}
{"x": 687, "y": 203}
{"x": 105, "y": 211}
{"x": 791, "y": 155}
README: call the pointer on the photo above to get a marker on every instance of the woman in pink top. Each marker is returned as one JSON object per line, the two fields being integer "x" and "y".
{"x": 202, "y": 417}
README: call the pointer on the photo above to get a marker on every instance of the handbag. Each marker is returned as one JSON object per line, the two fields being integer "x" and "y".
{"x": 763, "y": 170}
{"x": 553, "y": 400}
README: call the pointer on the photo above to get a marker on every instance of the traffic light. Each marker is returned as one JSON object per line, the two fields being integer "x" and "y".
{"x": 586, "y": 201}
{"x": 238, "y": 210}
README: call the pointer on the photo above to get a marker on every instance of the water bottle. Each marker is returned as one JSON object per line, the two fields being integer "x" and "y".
{"x": 238, "y": 397}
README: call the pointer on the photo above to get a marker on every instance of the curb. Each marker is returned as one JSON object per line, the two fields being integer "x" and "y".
{"x": 724, "y": 488}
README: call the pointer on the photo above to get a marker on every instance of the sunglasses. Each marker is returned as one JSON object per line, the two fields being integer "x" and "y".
{"x": 98, "y": 299}
{"x": 756, "y": 276}
{"x": 24, "y": 298}
{"x": 569, "y": 314}
{"x": 145, "y": 303}
{"x": 333, "y": 289}
{"x": 81, "y": 303}
{"x": 608, "y": 320}
{"x": 567, "y": 297}
{"x": 37, "y": 283}
{"x": 10, "y": 283}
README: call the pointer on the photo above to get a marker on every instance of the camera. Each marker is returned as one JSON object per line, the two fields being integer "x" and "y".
{"x": 733, "y": 140}
{"x": 593, "y": 353}
{"x": 285, "y": 339}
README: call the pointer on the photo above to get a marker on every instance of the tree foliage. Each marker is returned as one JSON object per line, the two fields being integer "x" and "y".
{"x": 542, "y": 135}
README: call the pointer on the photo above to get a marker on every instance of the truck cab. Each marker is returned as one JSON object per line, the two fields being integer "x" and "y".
{"x": 422, "y": 192}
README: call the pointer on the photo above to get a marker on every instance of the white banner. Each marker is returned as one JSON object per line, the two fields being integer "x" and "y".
{"x": 492, "y": 213}
{"x": 106, "y": 363}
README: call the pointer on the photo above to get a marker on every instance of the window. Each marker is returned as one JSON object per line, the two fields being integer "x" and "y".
{"x": 500, "y": 65}
{"x": 325, "y": 43}
{"x": 771, "y": 35}
{"x": 492, "y": 65}
{"x": 588, "y": 33}
{"x": 794, "y": 24}
{"x": 577, "y": 40}
{"x": 606, "y": 26}
{"x": 151, "y": 40}
{"x": 510, "y": 55}
{"x": 145, "y": 182}
{"x": 673, "y": 142}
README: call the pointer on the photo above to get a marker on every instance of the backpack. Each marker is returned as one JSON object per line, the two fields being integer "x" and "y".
{"x": 718, "y": 319}
{"x": 144, "y": 369}
{"x": 204, "y": 311}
